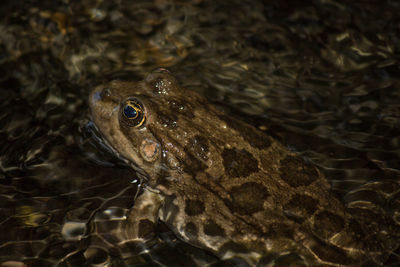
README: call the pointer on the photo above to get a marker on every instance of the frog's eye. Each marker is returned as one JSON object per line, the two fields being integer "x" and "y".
{"x": 132, "y": 113}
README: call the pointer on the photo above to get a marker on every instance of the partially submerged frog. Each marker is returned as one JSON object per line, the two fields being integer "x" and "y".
{"x": 219, "y": 183}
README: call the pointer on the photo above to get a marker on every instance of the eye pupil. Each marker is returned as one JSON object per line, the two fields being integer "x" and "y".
{"x": 130, "y": 112}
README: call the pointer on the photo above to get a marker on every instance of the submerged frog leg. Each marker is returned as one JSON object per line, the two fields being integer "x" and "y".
{"x": 143, "y": 216}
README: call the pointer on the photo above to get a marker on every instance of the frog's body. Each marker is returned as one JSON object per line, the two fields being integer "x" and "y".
{"x": 221, "y": 184}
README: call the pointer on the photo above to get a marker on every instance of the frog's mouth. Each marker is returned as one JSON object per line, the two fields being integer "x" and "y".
{"x": 101, "y": 140}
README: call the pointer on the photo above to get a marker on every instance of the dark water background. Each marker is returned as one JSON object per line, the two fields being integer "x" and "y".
{"x": 322, "y": 76}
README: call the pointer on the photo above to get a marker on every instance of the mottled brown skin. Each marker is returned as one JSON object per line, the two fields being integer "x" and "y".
{"x": 221, "y": 184}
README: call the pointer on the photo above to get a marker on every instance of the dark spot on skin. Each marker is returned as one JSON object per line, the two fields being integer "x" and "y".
{"x": 296, "y": 172}
{"x": 199, "y": 146}
{"x": 178, "y": 107}
{"x": 248, "y": 198}
{"x": 194, "y": 207}
{"x": 302, "y": 205}
{"x": 146, "y": 228}
{"x": 328, "y": 223}
{"x": 239, "y": 163}
{"x": 191, "y": 230}
{"x": 192, "y": 164}
{"x": 279, "y": 230}
{"x": 253, "y": 136}
{"x": 213, "y": 229}
{"x": 234, "y": 247}
{"x": 169, "y": 121}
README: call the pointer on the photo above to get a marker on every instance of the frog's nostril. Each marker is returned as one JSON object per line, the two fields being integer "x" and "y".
{"x": 101, "y": 94}
{"x": 105, "y": 93}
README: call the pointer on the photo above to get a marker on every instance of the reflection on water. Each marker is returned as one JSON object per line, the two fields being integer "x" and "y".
{"x": 321, "y": 76}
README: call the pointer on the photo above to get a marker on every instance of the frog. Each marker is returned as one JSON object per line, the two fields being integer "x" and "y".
{"x": 221, "y": 184}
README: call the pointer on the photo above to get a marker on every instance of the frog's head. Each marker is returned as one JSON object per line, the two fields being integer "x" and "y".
{"x": 140, "y": 120}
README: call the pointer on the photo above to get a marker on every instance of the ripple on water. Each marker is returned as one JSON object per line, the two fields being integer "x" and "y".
{"x": 321, "y": 76}
{"x": 72, "y": 231}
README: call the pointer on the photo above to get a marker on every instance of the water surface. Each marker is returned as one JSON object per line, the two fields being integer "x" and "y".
{"x": 321, "y": 76}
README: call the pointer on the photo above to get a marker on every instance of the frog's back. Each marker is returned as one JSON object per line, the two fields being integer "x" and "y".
{"x": 254, "y": 195}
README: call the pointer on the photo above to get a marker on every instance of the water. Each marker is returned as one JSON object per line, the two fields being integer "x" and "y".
{"x": 321, "y": 76}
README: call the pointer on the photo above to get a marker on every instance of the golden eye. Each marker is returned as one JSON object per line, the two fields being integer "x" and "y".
{"x": 133, "y": 113}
